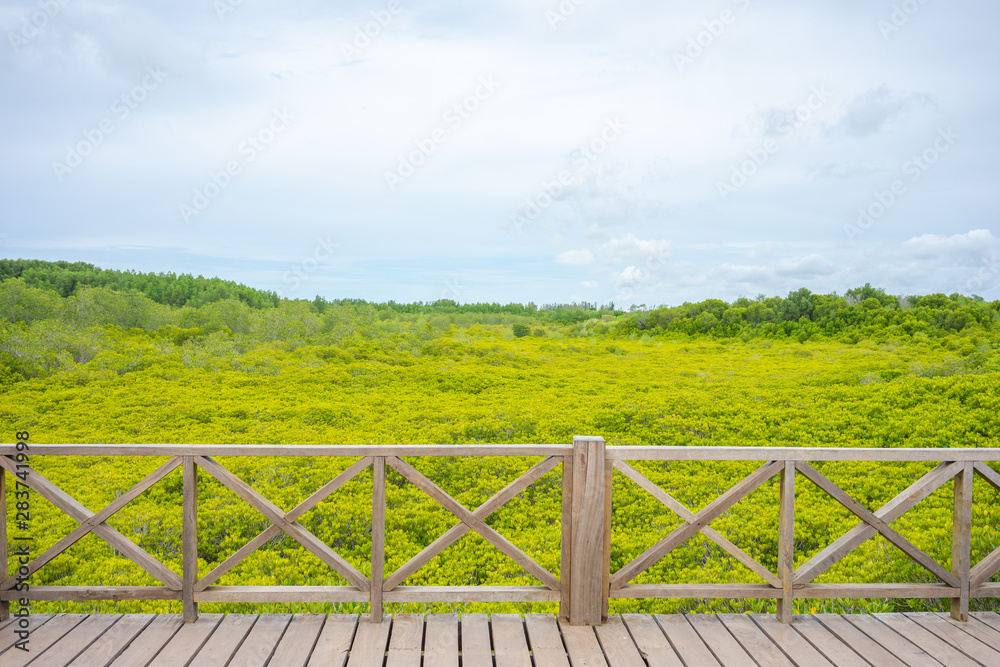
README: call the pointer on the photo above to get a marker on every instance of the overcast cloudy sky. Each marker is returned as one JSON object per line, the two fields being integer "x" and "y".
{"x": 512, "y": 150}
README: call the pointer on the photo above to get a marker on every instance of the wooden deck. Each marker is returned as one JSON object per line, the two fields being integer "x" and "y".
{"x": 505, "y": 640}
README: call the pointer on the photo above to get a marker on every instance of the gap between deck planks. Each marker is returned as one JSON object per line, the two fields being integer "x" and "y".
{"x": 505, "y": 640}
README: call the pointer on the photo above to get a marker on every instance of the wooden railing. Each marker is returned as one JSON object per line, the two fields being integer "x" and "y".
{"x": 585, "y": 582}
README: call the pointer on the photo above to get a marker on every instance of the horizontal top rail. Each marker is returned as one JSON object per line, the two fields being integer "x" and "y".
{"x": 871, "y": 454}
{"x": 292, "y": 450}
{"x": 614, "y": 453}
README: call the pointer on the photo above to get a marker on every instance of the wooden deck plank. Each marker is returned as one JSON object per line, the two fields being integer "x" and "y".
{"x": 976, "y": 628}
{"x": 187, "y": 642}
{"x": 113, "y": 642}
{"x": 990, "y": 618}
{"x": 297, "y": 643}
{"x": 865, "y": 646}
{"x": 545, "y": 640}
{"x": 827, "y": 643}
{"x": 79, "y": 639}
{"x": 406, "y": 640}
{"x": 334, "y": 644}
{"x": 954, "y": 634}
{"x": 910, "y": 654}
{"x": 651, "y": 642}
{"x": 8, "y": 635}
{"x": 144, "y": 647}
{"x": 42, "y": 639}
{"x": 441, "y": 640}
{"x": 476, "y": 646}
{"x": 582, "y": 646}
{"x": 790, "y": 642}
{"x": 225, "y": 641}
{"x": 720, "y": 641}
{"x": 941, "y": 650}
{"x": 410, "y": 640}
{"x": 260, "y": 643}
{"x": 370, "y": 642}
{"x": 619, "y": 649}
{"x": 510, "y": 645}
{"x": 686, "y": 642}
{"x": 754, "y": 641}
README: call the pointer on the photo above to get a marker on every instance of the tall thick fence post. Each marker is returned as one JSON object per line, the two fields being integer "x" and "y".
{"x": 587, "y": 583}
{"x": 190, "y": 533}
{"x": 5, "y": 605}
{"x": 378, "y": 537}
{"x": 786, "y": 541}
{"x": 961, "y": 541}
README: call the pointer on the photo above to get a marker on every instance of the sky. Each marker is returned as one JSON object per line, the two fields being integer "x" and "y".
{"x": 550, "y": 151}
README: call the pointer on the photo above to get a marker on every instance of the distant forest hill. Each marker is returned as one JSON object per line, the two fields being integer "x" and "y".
{"x": 127, "y": 298}
{"x": 171, "y": 289}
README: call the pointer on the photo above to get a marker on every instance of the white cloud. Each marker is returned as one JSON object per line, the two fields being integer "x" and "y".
{"x": 590, "y": 284}
{"x": 629, "y": 279}
{"x": 629, "y": 249}
{"x": 576, "y": 258}
{"x": 956, "y": 249}
{"x": 805, "y": 267}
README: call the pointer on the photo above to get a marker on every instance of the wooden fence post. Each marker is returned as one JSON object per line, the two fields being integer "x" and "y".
{"x": 190, "y": 538}
{"x": 961, "y": 541}
{"x": 5, "y": 605}
{"x": 378, "y": 538}
{"x": 786, "y": 542}
{"x": 588, "y": 534}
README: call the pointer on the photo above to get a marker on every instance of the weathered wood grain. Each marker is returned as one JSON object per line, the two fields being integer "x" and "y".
{"x": 419, "y": 480}
{"x": 961, "y": 541}
{"x": 334, "y": 644}
{"x": 190, "y": 539}
{"x": 586, "y": 563}
{"x": 370, "y": 643}
{"x": 378, "y": 539}
{"x": 836, "y": 650}
{"x": 653, "y": 645}
{"x": 477, "y": 650}
{"x": 441, "y": 640}
{"x": 460, "y": 529}
{"x": 112, "y": 643}
{"x": 510, "y": 645}
{"x": 619, "y": 649}
{"x": 720, "y": 641}
{"x": 297, "y": 642}
{"x": 688, "y": 516}
{"x": 786, "y": 540}
{"x": 702, "y": 519}
{"x": 891, "y": 511}
{"x": 878, "y": 524}
{"x": 545, "y": 640}
{"x": 224, "y": 642}
{"x": 406, "y": 641}
{"x": 152, "y": 640}
{"x": 184, "y": 645}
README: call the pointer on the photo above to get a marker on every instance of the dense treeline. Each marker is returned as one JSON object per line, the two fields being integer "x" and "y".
{"x": 864, "y": 312}
{"x": 67, "y": 278}
{"x": 562, "y": 313}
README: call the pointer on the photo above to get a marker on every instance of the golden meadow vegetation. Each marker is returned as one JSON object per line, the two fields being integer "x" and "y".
{"x": 92, "y": 356}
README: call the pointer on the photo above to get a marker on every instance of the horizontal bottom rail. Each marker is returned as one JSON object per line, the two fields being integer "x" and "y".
{"x": 826, "y": 591}
{"x": 264, "y": 594}
{"x": 87, "y": 593}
